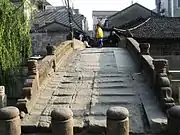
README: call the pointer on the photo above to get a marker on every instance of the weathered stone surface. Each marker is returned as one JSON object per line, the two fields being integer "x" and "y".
{"x": 95, "y": 80}
{"x": 110, "y": 79}
{"x": 10, "y": 121}
{"x": 117, "y": 121}
{"x": 49, "y": 108}
{"x": 9, "y": 112}
{"x": 61, "y": 114}
{"x": 84, "y": 92}
{"x": 30, "y": 120}
{"x": 62, "y": 100}
{"x": 117, "y": 113}
{"x": 112, "y": 85}
{"x": 114, "y": 92}
{"x": 44, "y": 121}
{"x": 112, "y": 74}
{"x": 78, "y": 122}
{"x": 114, "y": 100}
{"x": 135, "y": 116}
{"x": 64, "y": 92}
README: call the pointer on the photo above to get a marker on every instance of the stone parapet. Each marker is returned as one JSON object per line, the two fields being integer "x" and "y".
{"x": 38, "y": 72}
{"x": 62, "y": 121}
{"x": 155, "y": 70}
{"x": 3, "y": 97}
{"x": 173, "y": 115}
{"x": 10, "y": 123}
{"x": 117, "y": 121}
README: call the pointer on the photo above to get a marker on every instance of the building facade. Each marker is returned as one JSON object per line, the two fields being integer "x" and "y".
{"x": 100, "y": 17}
{"x": 168, "y": 7}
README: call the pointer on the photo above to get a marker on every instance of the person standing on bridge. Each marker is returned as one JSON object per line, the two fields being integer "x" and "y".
{"x": 99, "y": 35}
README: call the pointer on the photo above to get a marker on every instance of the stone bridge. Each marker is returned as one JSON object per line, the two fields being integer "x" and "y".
{"x": 91, "y": 80}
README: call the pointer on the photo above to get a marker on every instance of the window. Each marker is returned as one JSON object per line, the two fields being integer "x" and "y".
{"x": 178, "y": 3}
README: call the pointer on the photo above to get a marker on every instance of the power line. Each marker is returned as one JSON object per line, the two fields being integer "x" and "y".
{"x": 70, "y": 21}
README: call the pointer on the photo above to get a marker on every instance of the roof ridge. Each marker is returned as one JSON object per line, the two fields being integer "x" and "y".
{"x": 130, "y": 7}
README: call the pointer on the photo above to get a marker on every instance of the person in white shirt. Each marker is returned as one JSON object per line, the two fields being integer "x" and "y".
{"x": 81, "y": 37}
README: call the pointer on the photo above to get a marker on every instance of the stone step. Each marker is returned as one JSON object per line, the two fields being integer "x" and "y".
{"x": 113, "y": 85}
{"x": 114, "y": 92}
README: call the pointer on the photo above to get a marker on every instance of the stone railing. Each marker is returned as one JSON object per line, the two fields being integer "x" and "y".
{"x": 155, "y": 70}
{"x": 174, "y": 76}
{"x": 38, "y": 72}
{"x": 117, "y": 121}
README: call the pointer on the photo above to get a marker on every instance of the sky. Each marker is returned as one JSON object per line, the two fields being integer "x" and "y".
{"x": 86, "y": 6}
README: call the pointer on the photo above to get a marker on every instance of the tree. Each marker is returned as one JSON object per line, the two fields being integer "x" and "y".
{"x": 15, "y": 42}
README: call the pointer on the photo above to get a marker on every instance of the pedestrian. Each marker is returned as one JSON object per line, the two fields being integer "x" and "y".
{"x": 99, "y": 35}
{"x": 81, "y": 37}
{"x": 86, "y": 40}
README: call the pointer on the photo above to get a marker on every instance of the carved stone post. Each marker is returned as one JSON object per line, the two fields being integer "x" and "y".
{"x": 163, "y": 84}
{"x": 117, "y": 121}
{"x": 10, "y": 123}
{"x": 62, "y": 121}
{"x": 50, "y": 49}
{"x": 144, "y": 48}
{"x": 32, "y": 67}
{"x": 173, "y": 115}
{"x": 3, "y": 97}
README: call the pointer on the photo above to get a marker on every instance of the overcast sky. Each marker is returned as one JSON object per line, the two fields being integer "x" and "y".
{"x": 86, "y": 6}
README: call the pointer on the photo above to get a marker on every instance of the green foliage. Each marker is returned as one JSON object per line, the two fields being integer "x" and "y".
{"x": 15, "y": 41}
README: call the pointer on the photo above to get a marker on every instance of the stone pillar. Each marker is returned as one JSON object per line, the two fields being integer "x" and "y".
{"x": 50, "y": 49}
{"x": 3, "y": 97}
{"x": 173, "y": 115}
{"x": 10, "y": 123}
{"x": 117, "y": 121}
{"x": 144, "y": 48}
{"x": 62, "y": 121}
{"x": 162, "y": 84}
{"x": 32, "y": 67}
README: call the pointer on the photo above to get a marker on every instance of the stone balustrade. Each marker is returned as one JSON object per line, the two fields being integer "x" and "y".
{"x": 117, "y": 121}
{"x": 155, "y": 69}
{"x": 10, "y": 123}
{"x": 62, "y": 121}
{"x": 38, "y": 72}
{"x": 3, "y": 97}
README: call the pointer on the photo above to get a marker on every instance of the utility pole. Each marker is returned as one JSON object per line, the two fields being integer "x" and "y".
{"x": 70, "y": 21}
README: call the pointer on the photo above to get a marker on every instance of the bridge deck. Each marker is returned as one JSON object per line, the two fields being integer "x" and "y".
{"x": 91, "y": 81}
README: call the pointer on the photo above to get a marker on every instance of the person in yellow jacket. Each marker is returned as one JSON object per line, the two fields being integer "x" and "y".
{"x": 99, "y": 35}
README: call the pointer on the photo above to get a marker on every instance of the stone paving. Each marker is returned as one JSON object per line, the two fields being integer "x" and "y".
{"x": 89, "y": 83}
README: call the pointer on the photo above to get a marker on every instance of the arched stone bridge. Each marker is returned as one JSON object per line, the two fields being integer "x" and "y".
{"x": 91, "y": 80}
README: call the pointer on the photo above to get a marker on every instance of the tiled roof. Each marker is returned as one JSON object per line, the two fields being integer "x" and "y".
{"x": 48, "y": 16}
{"x": 133, "y": 23}
{"x": 128, "y": 14}
{"x": 157, "y": 28}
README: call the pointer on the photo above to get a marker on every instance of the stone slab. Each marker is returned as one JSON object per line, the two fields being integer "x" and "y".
{"x": 110, "y": 80}
{"x": 135, "y": 116}
{"x": 80, "y": 110}
{"x": 112, "y": 85}
{"x": 114, "y": 100}
{"x": 75, "y": 85}
{"x": 78, "y": 122}
{"x": 112, "y": 74}
{"x": 64, "y": 92}
{"x": 84, "y": 92}
{"x": 114, "y": 92}
{"x": 122, "y": 56}
{"x": 49, "y": 108}
{"x": 156, "y": 118}
{"x": 62, "y": 99}
{"x": 30, "y": 120}
{"x": 84, "y": 99}
{"x": 44, "y": 121}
